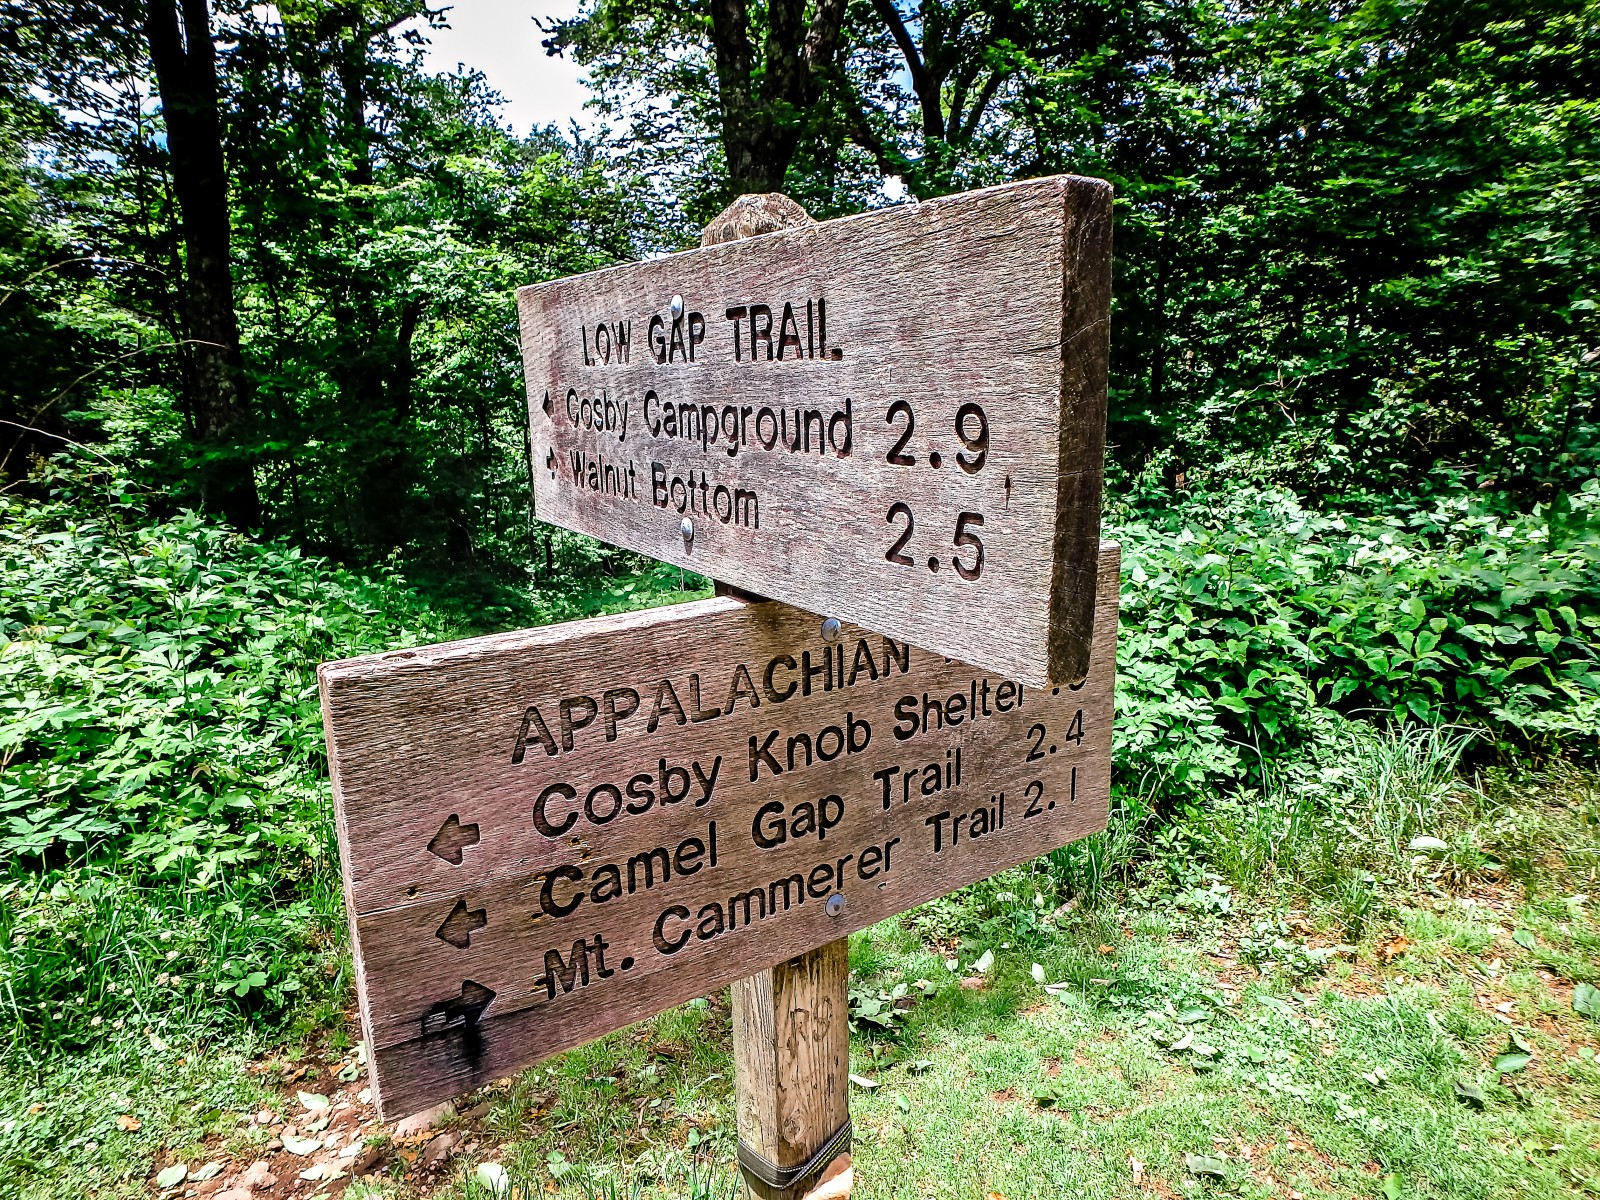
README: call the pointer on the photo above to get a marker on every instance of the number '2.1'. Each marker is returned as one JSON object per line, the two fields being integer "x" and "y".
{"x": 972, "y": 431}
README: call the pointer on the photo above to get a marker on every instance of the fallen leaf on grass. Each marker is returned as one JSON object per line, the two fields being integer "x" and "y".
{"x": 313, "y": 1101}
{"x": 493, "y": 1176}
{"x": 1205, "y": 1164}
{"x": 1137, "y": 1168}
{"x": 171, "y": 1177}
{"x": 1586, "y": 1000}
{"x": 1525, "y": 938}
{"x": 301, "y": 1145}
{"x": 129, "y": 1123}
{"x": 1390, "y": 1186}
{"x": 863, "y": 1081}
{"x": 1514, "y": 1057}
{"x": 1104, "y": 949}
{"x": 1468, "y": 1093}
{"x": 1037, "y": 972}
{"x": 322, "y": 1171}
{"x": 1392, "y": 948}
{"x": 206, "y": 1172}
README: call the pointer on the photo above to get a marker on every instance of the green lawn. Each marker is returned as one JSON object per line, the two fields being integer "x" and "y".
{"x": 1189, "y": 1037}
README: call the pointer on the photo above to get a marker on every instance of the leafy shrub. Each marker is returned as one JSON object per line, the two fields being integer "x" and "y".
{"x": 162, "y": 777}
{"x": 1247, "y": 617}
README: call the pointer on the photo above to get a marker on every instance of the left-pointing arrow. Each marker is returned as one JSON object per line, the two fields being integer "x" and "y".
{"x": 453, "y": 837}
{"x": 458, "y": 926}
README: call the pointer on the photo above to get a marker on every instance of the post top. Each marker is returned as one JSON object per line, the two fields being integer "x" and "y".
{"x": 752, "y": 214}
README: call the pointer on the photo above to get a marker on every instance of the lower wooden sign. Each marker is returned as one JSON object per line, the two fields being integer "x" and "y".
{"x": 550, "y": 834}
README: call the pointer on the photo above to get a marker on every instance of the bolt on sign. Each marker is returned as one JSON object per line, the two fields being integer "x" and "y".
{"x": 897, "y": 418}
{"x": 550, "y": 834}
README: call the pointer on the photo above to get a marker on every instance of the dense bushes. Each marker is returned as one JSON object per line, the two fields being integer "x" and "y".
{"x": 165, "y": 831}
{"x": 1246, "y": 619}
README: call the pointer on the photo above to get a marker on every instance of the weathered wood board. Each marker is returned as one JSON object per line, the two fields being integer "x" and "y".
{"x": 897, "y": 419}
{"x": 550, "y": 834}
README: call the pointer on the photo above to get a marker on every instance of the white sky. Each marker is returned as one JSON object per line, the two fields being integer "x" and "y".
{"x": 499, "y": 38}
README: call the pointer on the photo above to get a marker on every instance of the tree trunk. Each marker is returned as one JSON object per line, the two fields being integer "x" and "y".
{"x": 762, "y": 122}
{"x": 185, "y": 62}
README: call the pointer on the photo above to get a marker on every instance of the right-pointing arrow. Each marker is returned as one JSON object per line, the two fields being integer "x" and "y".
{"x": 458, "y": 1011}
{"x": 458, "y": 926}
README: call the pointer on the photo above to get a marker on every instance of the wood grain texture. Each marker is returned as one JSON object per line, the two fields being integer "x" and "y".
{"x": 483, "y": 943}
{"x": 992, "y": 303}
{"x": 791, "y": 1027}
{"x": 791, "y": 1050}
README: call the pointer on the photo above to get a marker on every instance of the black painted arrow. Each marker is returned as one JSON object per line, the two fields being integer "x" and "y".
{"x": 458, "y": 926}
{"x": 463, "y": 1011}
{"x": 453, "y": 837}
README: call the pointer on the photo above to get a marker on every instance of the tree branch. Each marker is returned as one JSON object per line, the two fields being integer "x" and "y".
{"x": 922, "y": 81}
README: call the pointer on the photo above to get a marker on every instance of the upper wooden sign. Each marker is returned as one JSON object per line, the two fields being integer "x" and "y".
{"x": 550, "y": 834}
{"x": 897, "y": 419}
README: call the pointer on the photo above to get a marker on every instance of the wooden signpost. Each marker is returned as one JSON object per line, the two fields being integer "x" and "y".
{"x": 896, "y": 418}
{"x": 551, "y": 834}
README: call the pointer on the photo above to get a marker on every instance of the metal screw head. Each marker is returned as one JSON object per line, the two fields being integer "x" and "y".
{"x": 830, "y": 629}
{"x": 835, "y": 904}
{"x": 677, "y": 307}
{"x": 686, "y": 527}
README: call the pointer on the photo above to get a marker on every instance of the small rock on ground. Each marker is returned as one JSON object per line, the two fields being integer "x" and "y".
{"x": 425, "y": 1120}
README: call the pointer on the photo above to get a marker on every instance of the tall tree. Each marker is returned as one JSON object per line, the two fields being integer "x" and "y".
{"x": 185, "y": 61}
{"x": 766, "y": 97}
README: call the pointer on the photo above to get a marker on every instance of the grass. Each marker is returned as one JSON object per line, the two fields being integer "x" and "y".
{"x": 1194, "y": 1035}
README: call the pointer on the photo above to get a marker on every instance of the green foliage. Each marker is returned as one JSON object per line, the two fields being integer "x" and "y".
{"x": 167, "y": 837}
{"x": 1246, "y": 620}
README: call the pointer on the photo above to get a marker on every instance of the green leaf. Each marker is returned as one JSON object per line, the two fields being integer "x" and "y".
{"x": 1525, "y": 938}
{"x": 494, "y": 1177}
{"x": 1508, "y": 1061}
{"x": 1205, "y": 1164}
{"x": 861, "y": 1081}
{"x": 170, "y": 1177}
{"x": 301, "y": 1146}
{"x": 1468, "y": 1093}
{"x": 1586, "y": 1000}
{"x": 313, "y": 1101}
{"x": 1391, "y": 1186}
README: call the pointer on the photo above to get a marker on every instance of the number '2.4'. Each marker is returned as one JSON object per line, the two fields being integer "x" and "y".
{"x": 972, "y": 430}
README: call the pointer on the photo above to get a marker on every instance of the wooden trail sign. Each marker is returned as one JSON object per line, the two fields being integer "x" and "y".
{"x": 550, "y": 834}
{"x": 897, "y": 419}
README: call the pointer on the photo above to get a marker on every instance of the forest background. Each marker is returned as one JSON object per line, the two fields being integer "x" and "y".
{"x": 262, "y": 406}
